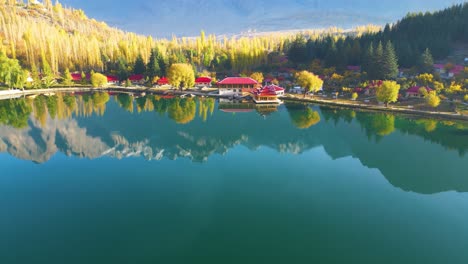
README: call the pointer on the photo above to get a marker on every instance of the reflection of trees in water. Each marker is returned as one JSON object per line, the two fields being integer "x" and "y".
{"x": 40, "y": 109}
{"x": 15, "y": 112}
{"x": 429, "y": 124}
{"x": 145, "y": 104}
{"x": 182, "y": 111}
{"x": 376, "y": 125}
{"x": 302, "y": 116}
{"x": 206, "y": 105}
{"x": 125, "y": 101}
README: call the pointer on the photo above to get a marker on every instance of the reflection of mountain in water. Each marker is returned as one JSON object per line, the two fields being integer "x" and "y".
{"x": 416, "y": 155}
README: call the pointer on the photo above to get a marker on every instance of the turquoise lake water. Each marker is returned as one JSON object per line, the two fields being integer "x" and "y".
{"x": 117, "y": 179}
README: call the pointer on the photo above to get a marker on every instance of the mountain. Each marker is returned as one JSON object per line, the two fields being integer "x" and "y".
{"x": 164, "y": 18}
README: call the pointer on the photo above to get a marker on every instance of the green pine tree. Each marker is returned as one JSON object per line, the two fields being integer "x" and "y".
{"x": 426, "y": 63}
{"x": 139, "y": 67}
{"x": 389, "y": 63}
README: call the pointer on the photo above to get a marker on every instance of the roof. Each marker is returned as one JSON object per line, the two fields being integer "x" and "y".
{"x": 112, "y": 78}
{"x": 77, "y": 76}
{"x": 136, "y": 77}
{"x": 203, "y": 79}
{"x": 238, "y": 81}
{"x": 163, "y": 81}
{"x": 415, "y": 89}
{"x": 457, "y": 69}
{"x": 269, "y": 90}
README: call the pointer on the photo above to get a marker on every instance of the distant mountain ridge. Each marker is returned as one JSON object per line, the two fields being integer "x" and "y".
{"x": 186, "y": 18}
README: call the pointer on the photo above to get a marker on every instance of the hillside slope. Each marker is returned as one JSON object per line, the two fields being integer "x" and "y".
{"x": 186, "y": 17}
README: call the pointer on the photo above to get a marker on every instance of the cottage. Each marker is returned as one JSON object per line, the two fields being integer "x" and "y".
{"x": 203, "y": 81}
{"x": 137, "y": 79}
{"x": 457, "y": 69}
{"x": 415, "y": 91}
{"x": 268, "y": 95}
{"x": 163, "y": 81}
{"x": 112, "y": 80}
{"x": 236, "y": 86}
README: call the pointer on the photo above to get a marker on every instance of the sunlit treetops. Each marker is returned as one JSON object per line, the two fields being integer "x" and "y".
{"x": 67, "y": 38}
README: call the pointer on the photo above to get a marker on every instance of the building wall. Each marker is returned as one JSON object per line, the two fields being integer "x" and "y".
{"x": 230, "y": 91}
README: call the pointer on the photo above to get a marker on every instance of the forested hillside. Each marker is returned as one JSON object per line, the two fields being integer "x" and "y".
{"x": 50, "y": 39}
{"x": 411, "y": 36}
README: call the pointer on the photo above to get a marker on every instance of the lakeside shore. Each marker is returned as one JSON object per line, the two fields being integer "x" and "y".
{"x": 13, "y": 94}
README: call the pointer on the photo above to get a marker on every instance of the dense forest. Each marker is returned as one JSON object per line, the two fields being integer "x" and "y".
{"x": 410, "y": 37}
{"x": 48, "y": 39}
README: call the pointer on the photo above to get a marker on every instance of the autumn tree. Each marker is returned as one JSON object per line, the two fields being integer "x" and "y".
{"x": 432, "y": 99}
{"x": 309, "y": 81}
{"x": 425, "y": 79}
{"x": 98, "y": 80}
{"x": 67, "y": 78}
{"x": 258, "y": 76}
{"x": 11, "y": 72}
{"x": 388, "y": 92}
{"x": 181, "y": 75}
{"x": 48, "y": 77}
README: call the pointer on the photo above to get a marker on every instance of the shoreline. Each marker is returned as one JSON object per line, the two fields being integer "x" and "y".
{"x": 14, "y": 94}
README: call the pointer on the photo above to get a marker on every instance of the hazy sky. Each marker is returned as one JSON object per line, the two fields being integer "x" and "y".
{"x": 162, "y": 18}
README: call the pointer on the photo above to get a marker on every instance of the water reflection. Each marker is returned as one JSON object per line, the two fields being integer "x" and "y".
{"x": 302, "y": 116}
{"x": 420, "y": 155}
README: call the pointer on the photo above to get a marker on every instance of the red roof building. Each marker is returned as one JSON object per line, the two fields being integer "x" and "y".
{"x": 163, "y": 81}
{"x": 268, "y": 94}
{"x": 203, "y": 81}
{"x": 414, "y": 91}
{"x": 112, "y": 79}
{"x": 236, "y": 86}
{"x": 76, "y": 77}
{"x": 238, "y": 82}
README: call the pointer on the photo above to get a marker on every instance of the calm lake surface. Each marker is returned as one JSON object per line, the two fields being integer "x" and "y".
{"x": 95, "y": 178}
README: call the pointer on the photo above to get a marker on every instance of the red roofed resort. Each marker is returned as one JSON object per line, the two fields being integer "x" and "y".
{"x": 203, "y": 82}
{"x": 137, "y": 78}
{"x": 112, "y": 79}
{"x": 236, "y": 86}
{"x": 268, "y": 95}
{"x": 163, "y": 81}
{"x": 415, "y": 91}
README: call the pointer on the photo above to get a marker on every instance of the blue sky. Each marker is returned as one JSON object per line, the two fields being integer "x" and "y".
{"x": 162, "y": 18}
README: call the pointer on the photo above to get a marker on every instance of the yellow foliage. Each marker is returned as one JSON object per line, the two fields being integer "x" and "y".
{"x": 432, "y": 99}
{"x": 181, "y": 75}
{"x": 309, "y": 81}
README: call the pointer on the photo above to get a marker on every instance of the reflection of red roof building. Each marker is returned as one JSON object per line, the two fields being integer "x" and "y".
{"x": 414, "y": 91}
{"x": 163, "y": 81}
{"x": 268, "y": 94}
{"x": 237, "y": 110}
{"x": 203, "y": 81}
